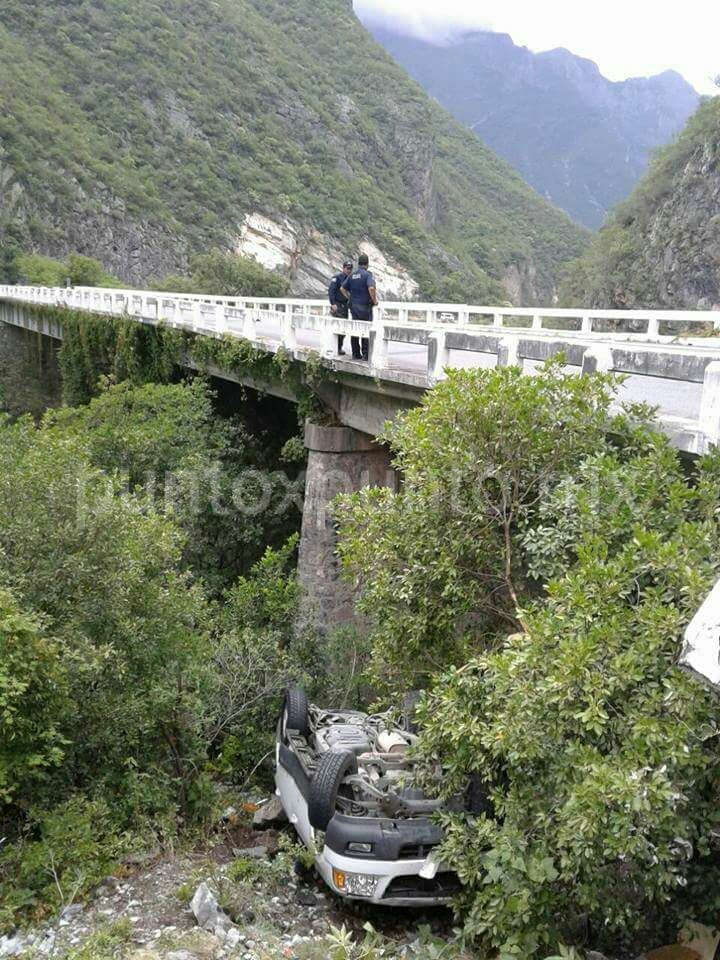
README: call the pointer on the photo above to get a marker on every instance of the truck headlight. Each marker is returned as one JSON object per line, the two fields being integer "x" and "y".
{"x": 355, "y": 847}
{"x": 355, "y": 884}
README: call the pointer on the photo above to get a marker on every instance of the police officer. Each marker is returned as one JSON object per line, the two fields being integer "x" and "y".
{"x": 338, "y": 302}
{"x": 360, "y": 290}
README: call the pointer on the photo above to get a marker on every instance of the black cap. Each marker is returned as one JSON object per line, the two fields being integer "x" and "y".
{"x": 348, "y": 263}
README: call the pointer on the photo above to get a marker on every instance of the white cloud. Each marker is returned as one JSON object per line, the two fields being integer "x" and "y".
{"x": 626, "y": 38}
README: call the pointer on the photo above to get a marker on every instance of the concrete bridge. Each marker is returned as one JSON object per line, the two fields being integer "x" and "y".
{"x": 671, "y": 360}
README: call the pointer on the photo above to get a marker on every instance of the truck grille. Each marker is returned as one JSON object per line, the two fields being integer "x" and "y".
{"x": 415, "y": 851}
{"x": 442, "y": 885}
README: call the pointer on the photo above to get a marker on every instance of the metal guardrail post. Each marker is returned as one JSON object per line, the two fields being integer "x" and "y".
{"x": 248, "y": 322}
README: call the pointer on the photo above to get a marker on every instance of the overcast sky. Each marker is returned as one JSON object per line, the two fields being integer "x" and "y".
{"x": 626, "y": 38}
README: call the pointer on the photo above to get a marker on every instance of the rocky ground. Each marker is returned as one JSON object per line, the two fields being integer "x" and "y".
{"x": 248, "y": 892}
{"x": 243, "y": 894}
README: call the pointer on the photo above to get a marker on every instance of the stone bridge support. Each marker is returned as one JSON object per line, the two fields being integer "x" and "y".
{"x": 340, "y": 460}
{"x": 29, "y": 371}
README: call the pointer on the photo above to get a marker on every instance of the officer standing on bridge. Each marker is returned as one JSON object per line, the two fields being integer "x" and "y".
{"x": 360, "y": 290}
{"x": 338, "y": 302}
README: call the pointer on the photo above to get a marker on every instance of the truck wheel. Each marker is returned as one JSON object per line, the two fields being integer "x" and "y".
{"x": 325, "y": 786}
{"x": 296, "y": 711}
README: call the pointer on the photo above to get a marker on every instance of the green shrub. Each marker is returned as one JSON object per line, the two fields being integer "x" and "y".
{"x": 226, "y": 274}
{"x": 545, "y": 556}
{"x": 81, "y": 271}
{"x": 64, "y": 854}
{"x": 440, "y": 563}
{"x": 35, "y": 269}
{"x": 253, "y": 664}
{"x": 106, "y": 573}
{"x": 107, "y": 943}
{"x": 34, "y": 702}
{"x": 87, "y": 272}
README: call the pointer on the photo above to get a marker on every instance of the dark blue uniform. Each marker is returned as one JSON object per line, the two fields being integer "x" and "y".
{"x": 336, "y": 297}
{"x": 358, "y": 285}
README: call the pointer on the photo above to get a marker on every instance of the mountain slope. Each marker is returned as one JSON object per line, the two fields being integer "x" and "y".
{"x": 142, "y": 131}
{"x": 581, "y": 140}
{"x": 661, "y": 248}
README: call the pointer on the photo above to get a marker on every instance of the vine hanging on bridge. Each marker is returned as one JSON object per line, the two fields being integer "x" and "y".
{"x": 97, "y": 345}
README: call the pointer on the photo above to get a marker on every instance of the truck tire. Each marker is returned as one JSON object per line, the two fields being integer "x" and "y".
{"x": 325, "y": 785}
{"x": 296, "y": 711}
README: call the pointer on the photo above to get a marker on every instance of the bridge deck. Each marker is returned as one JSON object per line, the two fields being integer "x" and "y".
{"x": 413, "y": 344}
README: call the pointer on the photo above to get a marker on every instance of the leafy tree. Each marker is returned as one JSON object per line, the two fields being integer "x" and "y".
{"x": 254, "y": 662}
{"x": 228, "y": 275}
{"x": 105, "y": 571}
{"x": 150, "y": 430}
{"x": 536, "y": 572}
{"x": 441, "y": 563}
{"x": 600, "y": 755}
{"x": 209, "y": 472}
{"x": 81, "y": 271}
{"x": 33, "y": 268}
{"x": 10, "y": 249}
{"x": 33, "y": 704}
{"x": 86, "y": 272}
{"x": 173, "y": 283}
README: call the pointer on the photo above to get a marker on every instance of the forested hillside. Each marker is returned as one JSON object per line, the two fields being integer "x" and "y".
{"x": 661, "y": 248}
{"x": 143, "y": 132}
{"x": 581, "y": 140}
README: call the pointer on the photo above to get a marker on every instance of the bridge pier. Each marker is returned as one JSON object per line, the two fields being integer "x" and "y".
{"x": 29, "y": 371}
{"x": 340, "y": 460}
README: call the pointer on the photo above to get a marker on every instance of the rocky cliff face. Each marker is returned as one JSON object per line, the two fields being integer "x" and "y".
{"x": 581, "y": 140}
{"x": 308, "y": 258}
{"x": 681, "y": 259}
{"x": 661, "y": 247}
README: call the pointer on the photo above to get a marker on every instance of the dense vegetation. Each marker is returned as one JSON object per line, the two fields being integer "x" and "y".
{"x": 217, "y": 273}
{"x": 536, "y": 572}
{"x": 141, "y": 133}
{"x": 225, "y": 275}
{"x": 75, "y": 269}
{"x": 661, "y": 247}
{"x": 124, "y": 619}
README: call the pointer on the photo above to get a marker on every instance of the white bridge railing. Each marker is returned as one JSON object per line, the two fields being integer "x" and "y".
{"x": 413, "y": 343}
{"x": 208, "y": 312}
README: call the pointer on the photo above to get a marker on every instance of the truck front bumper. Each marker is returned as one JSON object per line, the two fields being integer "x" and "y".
{"x": 397, "y": 866}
